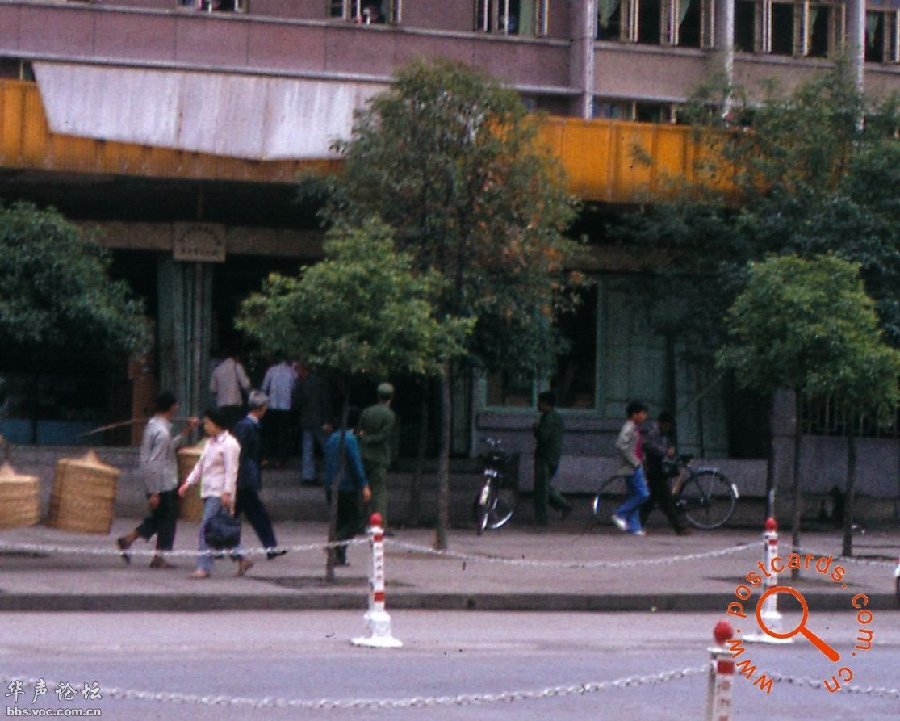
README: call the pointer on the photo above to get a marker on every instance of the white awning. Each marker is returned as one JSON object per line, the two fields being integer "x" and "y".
{"x": 262, "y": 118}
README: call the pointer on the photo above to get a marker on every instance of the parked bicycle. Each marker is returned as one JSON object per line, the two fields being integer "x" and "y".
{"x": 703, "y": 494}
{"x": 497, "y": 498}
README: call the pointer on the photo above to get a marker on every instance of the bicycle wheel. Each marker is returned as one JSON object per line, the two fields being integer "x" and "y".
{"x": 707, "y": 500}
{"x": 502, "y": 507}
{"x": 612, "y": 494}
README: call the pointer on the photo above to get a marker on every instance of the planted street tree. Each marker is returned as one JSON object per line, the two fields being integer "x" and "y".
{"x": 808, "y": 325}
{"x": 449, "y": 159}
{"x": 359, "y": 312}
{"x": 56, "y": 296}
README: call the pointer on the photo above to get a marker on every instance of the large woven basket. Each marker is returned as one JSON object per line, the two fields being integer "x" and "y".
{"x": 20, "y": 501}
{"x": 84, "y": 495}
{"x": 190, "y": 505}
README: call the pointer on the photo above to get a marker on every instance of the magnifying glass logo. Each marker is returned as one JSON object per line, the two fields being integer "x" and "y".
{"x": 800, "y": 627}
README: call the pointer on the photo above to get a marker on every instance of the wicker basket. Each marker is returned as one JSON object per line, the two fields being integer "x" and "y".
{"x": 190, "y": 505}
{"x": 84, "y": 495}
{"x": 20, "y": 501}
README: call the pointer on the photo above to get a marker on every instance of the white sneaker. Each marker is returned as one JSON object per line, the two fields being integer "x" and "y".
{"x": 641, "y": 532}
{"x": 620, "y": 522}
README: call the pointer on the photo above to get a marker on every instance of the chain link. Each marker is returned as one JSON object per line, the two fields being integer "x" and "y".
{"x": 107, "y": 551}
{"x": 664, "y": 561}
{"x": 815, "y": 683}
{"x": 389, "y": 703}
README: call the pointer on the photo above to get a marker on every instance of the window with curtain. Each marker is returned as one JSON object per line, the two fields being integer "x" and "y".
{"x": 610, "y": 25}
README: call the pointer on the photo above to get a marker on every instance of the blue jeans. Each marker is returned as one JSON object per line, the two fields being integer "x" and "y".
{"x": 211, "y": 506}
{"x": 637, "y": 494}
{"x": 311, "y": 436}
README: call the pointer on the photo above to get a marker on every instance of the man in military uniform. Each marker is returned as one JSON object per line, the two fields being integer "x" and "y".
{"x": 376, "y": 432}
{"x": 548, "y": 432}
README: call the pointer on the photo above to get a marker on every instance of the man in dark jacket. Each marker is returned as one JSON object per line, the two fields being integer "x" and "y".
{"x": 548, "y": 432}
{"x": 247, "y": 431}
{"x": 311, "y": 401}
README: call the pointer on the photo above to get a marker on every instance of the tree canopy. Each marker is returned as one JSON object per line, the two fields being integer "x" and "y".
{"x": 359, "y": 312}
{"x": 449, "y": 159}
{"x": 55, "y": 289}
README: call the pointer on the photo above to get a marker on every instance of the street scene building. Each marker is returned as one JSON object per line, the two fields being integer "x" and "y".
{"x": 178, "y": 130}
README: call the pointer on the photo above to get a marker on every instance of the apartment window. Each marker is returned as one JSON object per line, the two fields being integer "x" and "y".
{"x": 512, "y": 17}
{"x": 882, "y": 36}
{"x": 366, "y": 12}
{"x": 811, "y": 28}
{"x": 686, "y": 23}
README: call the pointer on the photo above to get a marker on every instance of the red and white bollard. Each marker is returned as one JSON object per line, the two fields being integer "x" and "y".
{"x": 377, "y": 619}
{"x": 721, "y": 675}
{"x": 769, "y": 613}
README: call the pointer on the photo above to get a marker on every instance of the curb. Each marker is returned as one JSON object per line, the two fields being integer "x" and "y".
{"x": 407, "y": 601}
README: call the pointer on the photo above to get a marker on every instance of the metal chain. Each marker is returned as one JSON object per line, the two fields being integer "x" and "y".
{"x": 570, "y": 564}
{"x": 817, "y": 684}
{"x": 858, "y": 561}
{"x": 106, "y": 551}
{"x": 388, "y": 703}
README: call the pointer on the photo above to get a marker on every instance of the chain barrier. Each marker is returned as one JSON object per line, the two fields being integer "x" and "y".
{"x": 111, "y": 551}
{"x": 816, "y": 683}
{"x": 387, "y": 703}
{"x": 569, "y": 564}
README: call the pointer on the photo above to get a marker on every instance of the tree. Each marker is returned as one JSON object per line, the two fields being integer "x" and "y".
{"x": 56, "y": 296}
{"x": 449, "y": 159}
{"x": 808, "y": 325}
{"x": 359, "y": 312}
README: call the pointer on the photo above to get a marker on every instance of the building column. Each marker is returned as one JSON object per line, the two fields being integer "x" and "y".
{"x": 581, "y": 61}
{"x": 723, "y": 41}
{"x": 856, "y": 40}
{"x": 184, "y": 322}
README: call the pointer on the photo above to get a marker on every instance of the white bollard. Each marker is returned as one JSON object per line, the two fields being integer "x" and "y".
{"x": 377, "y": 619}
{"x": 769, "y": 613}
{"x": 721, "y": 675}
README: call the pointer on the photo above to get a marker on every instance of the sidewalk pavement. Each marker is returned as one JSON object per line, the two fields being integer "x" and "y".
{"x": 515, "y": 568}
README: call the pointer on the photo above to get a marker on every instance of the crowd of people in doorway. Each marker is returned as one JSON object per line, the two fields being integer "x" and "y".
{"x": 240, "y": 443}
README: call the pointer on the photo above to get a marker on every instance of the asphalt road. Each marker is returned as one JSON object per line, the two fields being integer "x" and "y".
{"x": 307, "y": 656}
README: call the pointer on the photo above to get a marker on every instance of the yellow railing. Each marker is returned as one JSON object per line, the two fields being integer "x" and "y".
{"x": 609, "y": 161}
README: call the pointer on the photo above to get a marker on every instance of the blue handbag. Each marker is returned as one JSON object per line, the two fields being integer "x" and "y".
{"x": 223, "y": 530}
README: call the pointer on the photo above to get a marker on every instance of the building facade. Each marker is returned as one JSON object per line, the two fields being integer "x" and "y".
{"x": 178, "y": 128}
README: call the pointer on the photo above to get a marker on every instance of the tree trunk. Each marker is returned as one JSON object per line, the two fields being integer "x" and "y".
{"x": 798, "y": 489}
{"x": 770, "y": 463}
{"x": 335, "y": 484}
{"x": 413, "y": 510}
{"x": 850, "y": 496}
{"x": 443, "y": 500}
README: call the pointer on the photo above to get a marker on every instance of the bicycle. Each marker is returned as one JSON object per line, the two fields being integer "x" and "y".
{"x": 703, "y": 494}
{"x": 498, "y": 496}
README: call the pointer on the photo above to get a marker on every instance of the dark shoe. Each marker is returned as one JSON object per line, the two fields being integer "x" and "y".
{"x": 123, "y": 545}
{"x": 683, "y": 531}
{"x": 309, "y": 482}
{"x": 275, "y": 554}
{"x": 158, "y": 562}
{"x": 244, "y": 565}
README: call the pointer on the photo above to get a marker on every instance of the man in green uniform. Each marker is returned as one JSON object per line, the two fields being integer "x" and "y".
{"x": 549, "y": 434}
{"x": 376, "y": 429}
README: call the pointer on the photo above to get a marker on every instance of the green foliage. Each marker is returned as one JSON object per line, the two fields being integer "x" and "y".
{"x": 808, "y": 324}
{"x": 55, "y": 291}
{"x": 448, "y": 159}
{"x": 361, "y": 311}
{"x": 811, "y": 178}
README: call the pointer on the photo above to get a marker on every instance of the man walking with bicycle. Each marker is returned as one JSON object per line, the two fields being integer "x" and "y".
{"x": 629, "y": 445}
{"x": 657, "y": 448}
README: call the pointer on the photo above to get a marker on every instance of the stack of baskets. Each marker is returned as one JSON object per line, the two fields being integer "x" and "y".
{"x": 20, "y": 502}
{"x": 84, "y": 495}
